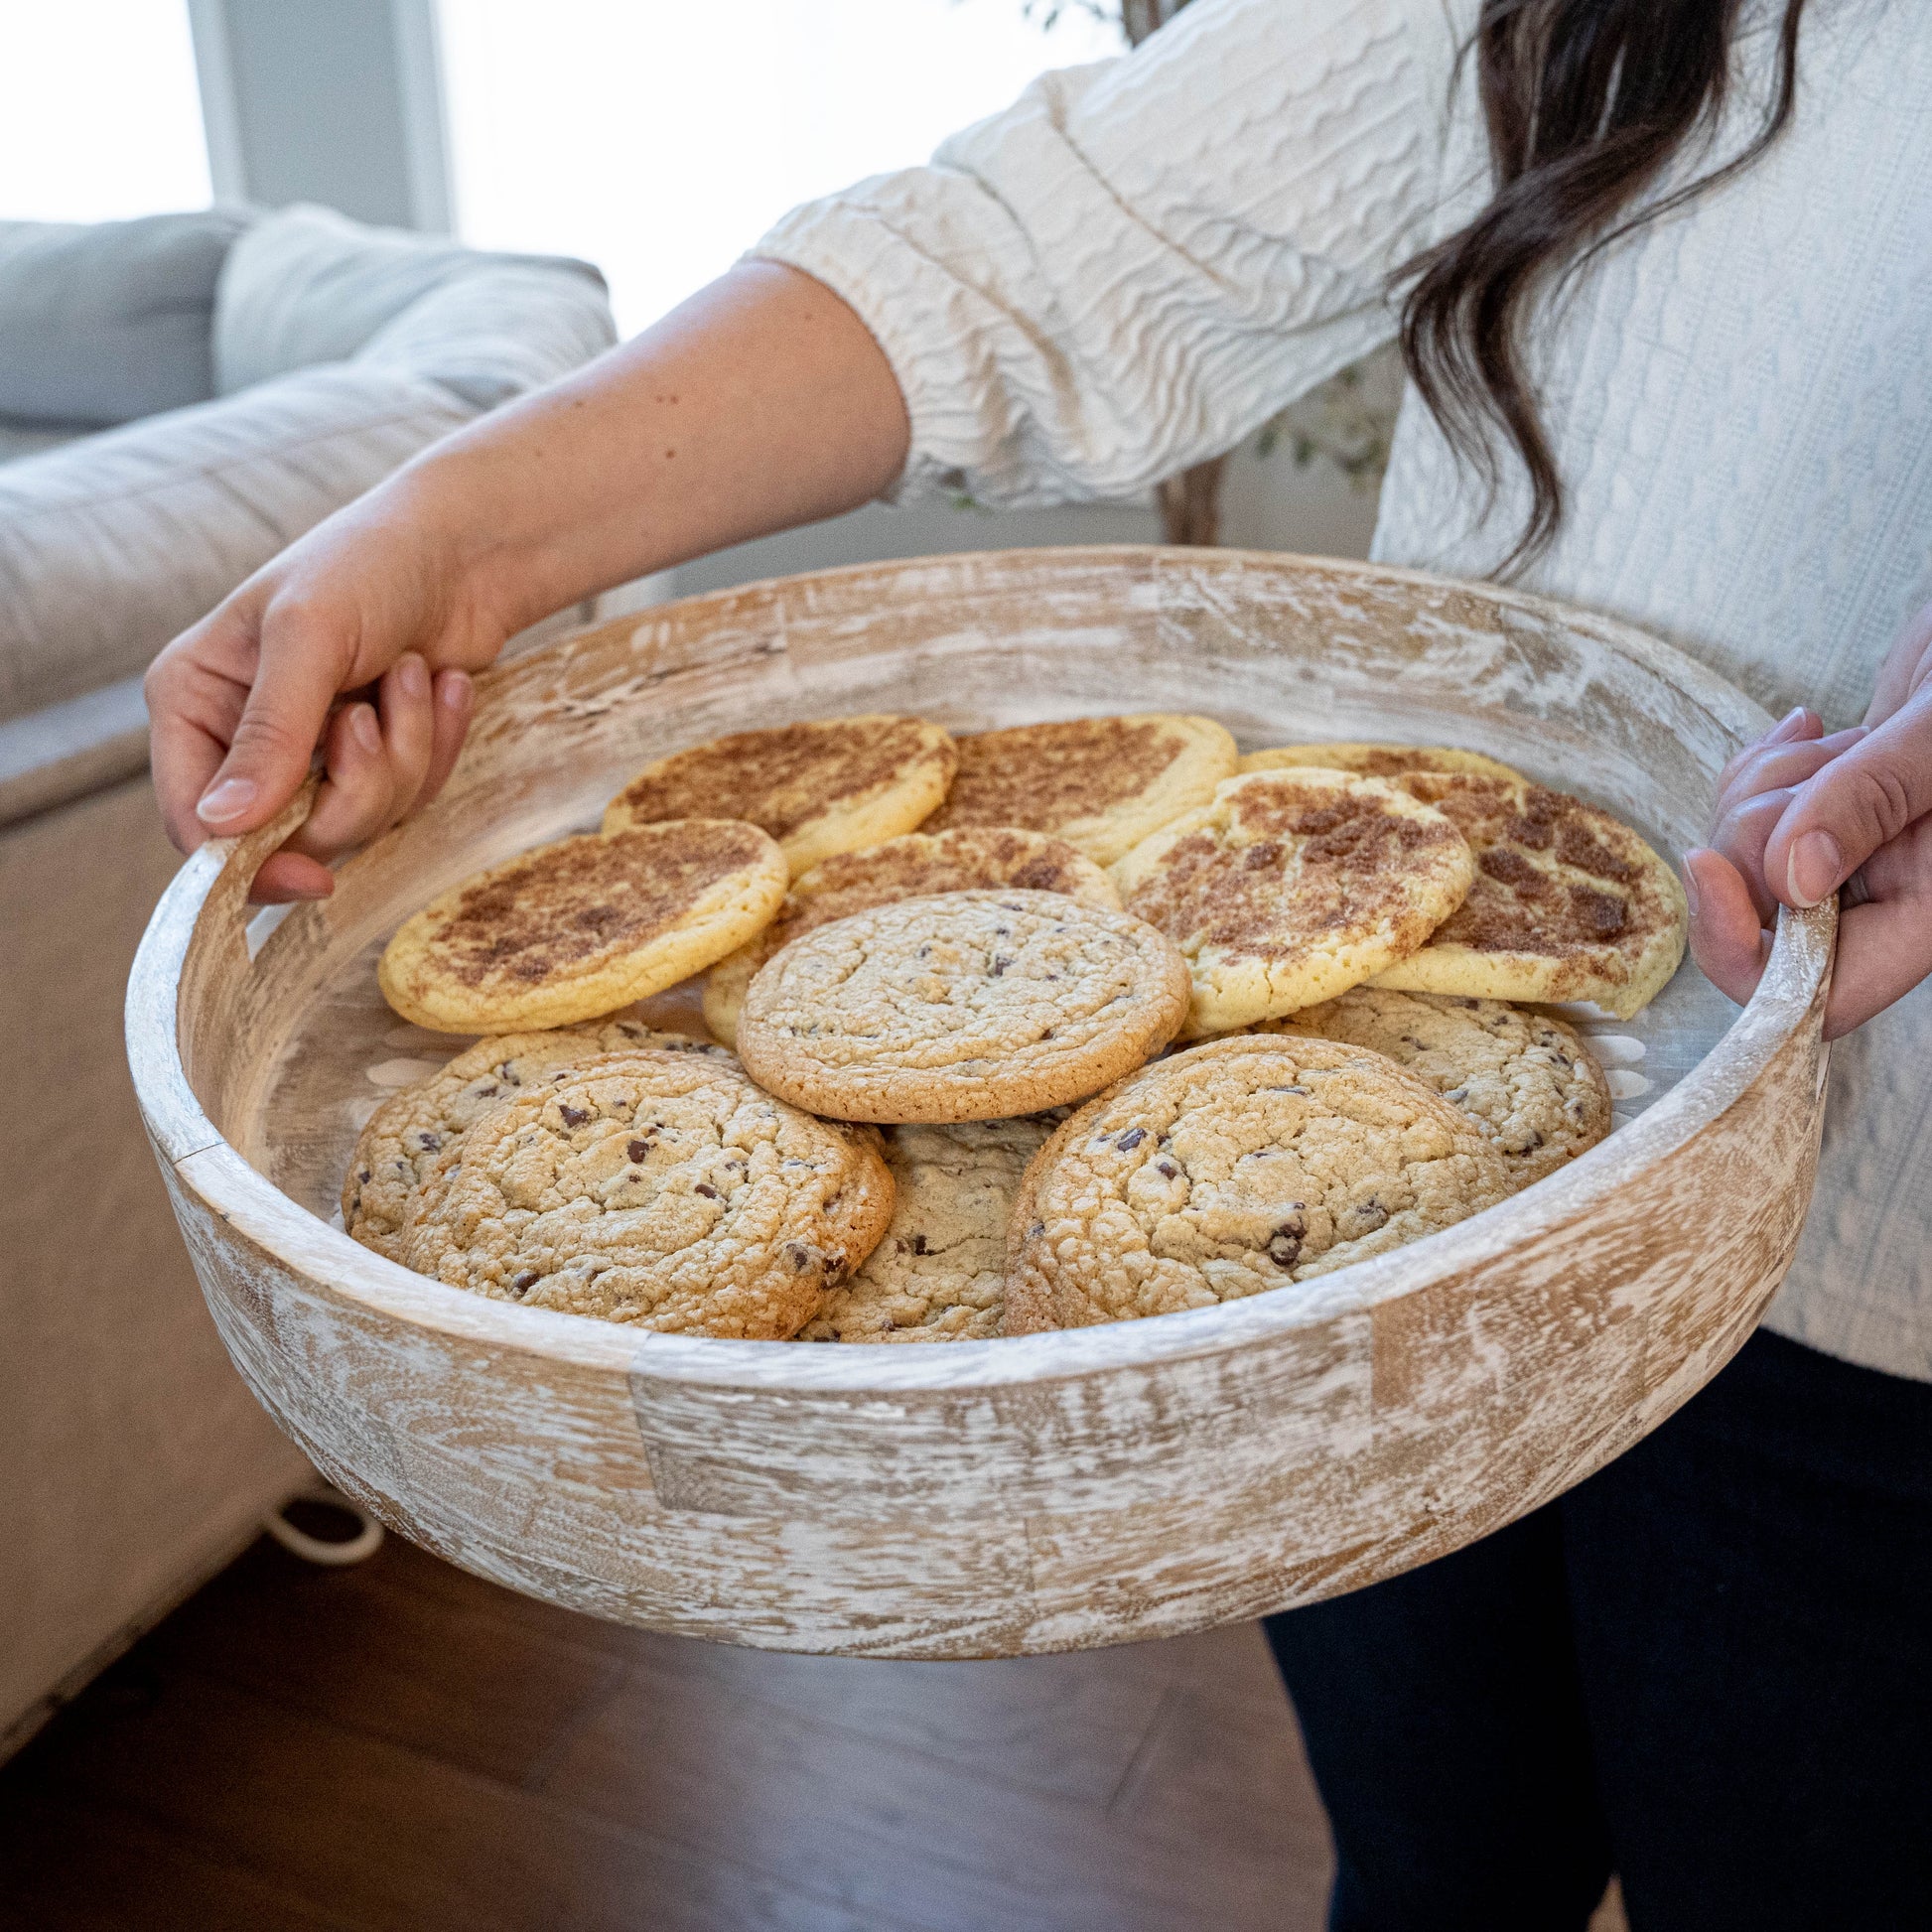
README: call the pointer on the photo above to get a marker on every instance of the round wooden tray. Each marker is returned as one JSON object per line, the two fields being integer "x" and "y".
{"x": 1049, "y": 1492}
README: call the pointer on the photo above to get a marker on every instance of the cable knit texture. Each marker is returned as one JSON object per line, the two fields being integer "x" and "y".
{"x": 1143, "y": 259}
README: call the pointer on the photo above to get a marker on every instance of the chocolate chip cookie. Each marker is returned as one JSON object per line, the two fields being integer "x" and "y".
{"x": 912, "y": 867}
{"x": 1527, "y": 1080}
{"x": 968, "y": 1006}
{"x": 1240, "y": 1166}
{"x": 661, "y": 1189}
{"x": 406, "y": 1146}
{"x": 939, "y": 1275}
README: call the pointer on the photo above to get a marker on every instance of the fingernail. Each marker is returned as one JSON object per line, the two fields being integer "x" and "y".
{"x": 413, "y": 675}
{"x": 368, "y": 734}
{"x": 1690, "y": 879}
{"x": 226, "y": 801}
{"x": 1815, "y": 864}
{"x": 1786, "y": 724}
{"x": 453, "y": 689}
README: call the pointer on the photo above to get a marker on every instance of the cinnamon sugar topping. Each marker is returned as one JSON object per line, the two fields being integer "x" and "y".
{"x": 589, "y": 896}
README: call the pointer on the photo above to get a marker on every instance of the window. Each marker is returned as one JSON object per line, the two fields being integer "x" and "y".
{"x": 102, "y": 117}
{"x": 659, "y": 138}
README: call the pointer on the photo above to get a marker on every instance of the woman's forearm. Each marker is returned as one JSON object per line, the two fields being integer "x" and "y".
{"x": 761, "y": 403}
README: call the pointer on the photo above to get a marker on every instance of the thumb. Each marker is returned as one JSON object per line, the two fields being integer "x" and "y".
{"x": 1864, "y": 799}
{"x": 299, "y": 671}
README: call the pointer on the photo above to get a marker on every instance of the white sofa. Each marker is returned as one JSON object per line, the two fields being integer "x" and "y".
{"x": 179, "y": 398}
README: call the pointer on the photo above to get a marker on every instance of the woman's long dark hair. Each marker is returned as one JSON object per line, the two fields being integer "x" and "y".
{"x": 1586, "y": 103}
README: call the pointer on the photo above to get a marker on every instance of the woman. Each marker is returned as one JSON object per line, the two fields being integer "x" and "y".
{"x": 1663, "y": 274}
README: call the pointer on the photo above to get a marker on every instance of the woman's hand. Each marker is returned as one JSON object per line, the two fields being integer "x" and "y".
{"x": 366, "y": 610}
{"x": 1801, "y": 815}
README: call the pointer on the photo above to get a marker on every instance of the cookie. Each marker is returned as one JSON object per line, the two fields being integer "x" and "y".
{"x": 1567, "y": 903}
{"x": 584, "y": 926}
{"x": 1294, "y": 885}
{"x": 1524, "y": 1078}
{"x": 1240, "y": 1166}
{"x": 939, "y": 1275}
{"x": 1380, "y": 761}
{"x": 401, "y": 1151}
{"x": 969, "y": 1006}
{"x": 912, "y": 867}
{"x": 661, "y": 1189}
{"x": 834, "y": 785}
{"x": 1101, "y": 783}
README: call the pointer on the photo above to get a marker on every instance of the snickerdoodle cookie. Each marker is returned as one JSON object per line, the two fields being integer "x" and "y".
{"x": 1567, "y": 903}
{"x": 1380, "y": 761}
{"x": 1101, "y": 783}
{"x": 967, "y": 1005}
{"x": 584, "y": 926}
{"x": 1293, "y": 884}
{"x": 831, "y": 786}
{"x": 659, "y": 1188}
{"x": 1239, "y": 1166}
{"x": 1525, "y": 1079}
{"x": 912, "y": 867}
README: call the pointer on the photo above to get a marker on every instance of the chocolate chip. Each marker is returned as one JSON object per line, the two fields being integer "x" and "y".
{"x": 1167, "y": 1167}
{"x": 919, "y": 1244}
{"x": 705, "y": 1188}
{"x": 1285, "y": 1244}
{"x": 799, "y": 1255}
{"x": 429, "y": 1142}
{"x": 1000, "y": 965}
{"x": 1369, "y": 1215}
{"x": 574, "y": 1115}
{"x": 637, "y": 1150}
{"x": 364, "y": 1175}
{"x": 1132, "y": 1139}
{"x": 526, "y": 1280}
{"x": 1284, "y": 1250}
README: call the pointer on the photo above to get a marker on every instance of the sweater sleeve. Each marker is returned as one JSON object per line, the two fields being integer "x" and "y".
{"x": 1143, "y": 259}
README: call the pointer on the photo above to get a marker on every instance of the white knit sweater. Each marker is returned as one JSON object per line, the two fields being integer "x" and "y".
{"x": 1143, "y": 260}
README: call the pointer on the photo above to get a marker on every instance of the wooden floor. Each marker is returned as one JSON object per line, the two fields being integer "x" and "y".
{"x": 399, "y": 1746}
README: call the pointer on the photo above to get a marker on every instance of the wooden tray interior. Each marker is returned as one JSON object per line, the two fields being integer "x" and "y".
{"x": 1284, "y": 652}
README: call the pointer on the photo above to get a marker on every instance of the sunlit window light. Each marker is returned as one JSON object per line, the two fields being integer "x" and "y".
{"x": 660, "y": 139}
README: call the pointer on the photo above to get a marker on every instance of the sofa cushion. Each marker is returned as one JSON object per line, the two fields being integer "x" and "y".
{"x": 106, "y": 322}
{"x": 306, "y": 286}
{"x": 357, "y": 347}
{"x": 111, "y": 546}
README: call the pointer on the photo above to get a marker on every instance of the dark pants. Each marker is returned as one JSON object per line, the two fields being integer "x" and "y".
{"x": 1707, "y": 1668}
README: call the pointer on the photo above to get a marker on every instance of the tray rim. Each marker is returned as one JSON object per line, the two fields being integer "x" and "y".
{"x": 204, "y": 1162}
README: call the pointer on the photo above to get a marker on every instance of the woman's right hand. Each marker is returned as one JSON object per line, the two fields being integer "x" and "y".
{"x": 761, "y": 403}
{"x": 357, "y": 643}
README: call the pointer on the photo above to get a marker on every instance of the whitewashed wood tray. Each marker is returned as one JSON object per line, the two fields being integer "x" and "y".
{"x": 1054, "y": 1491}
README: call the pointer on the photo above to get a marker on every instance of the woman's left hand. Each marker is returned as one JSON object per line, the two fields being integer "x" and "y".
{"x": 1802, "y": 815}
